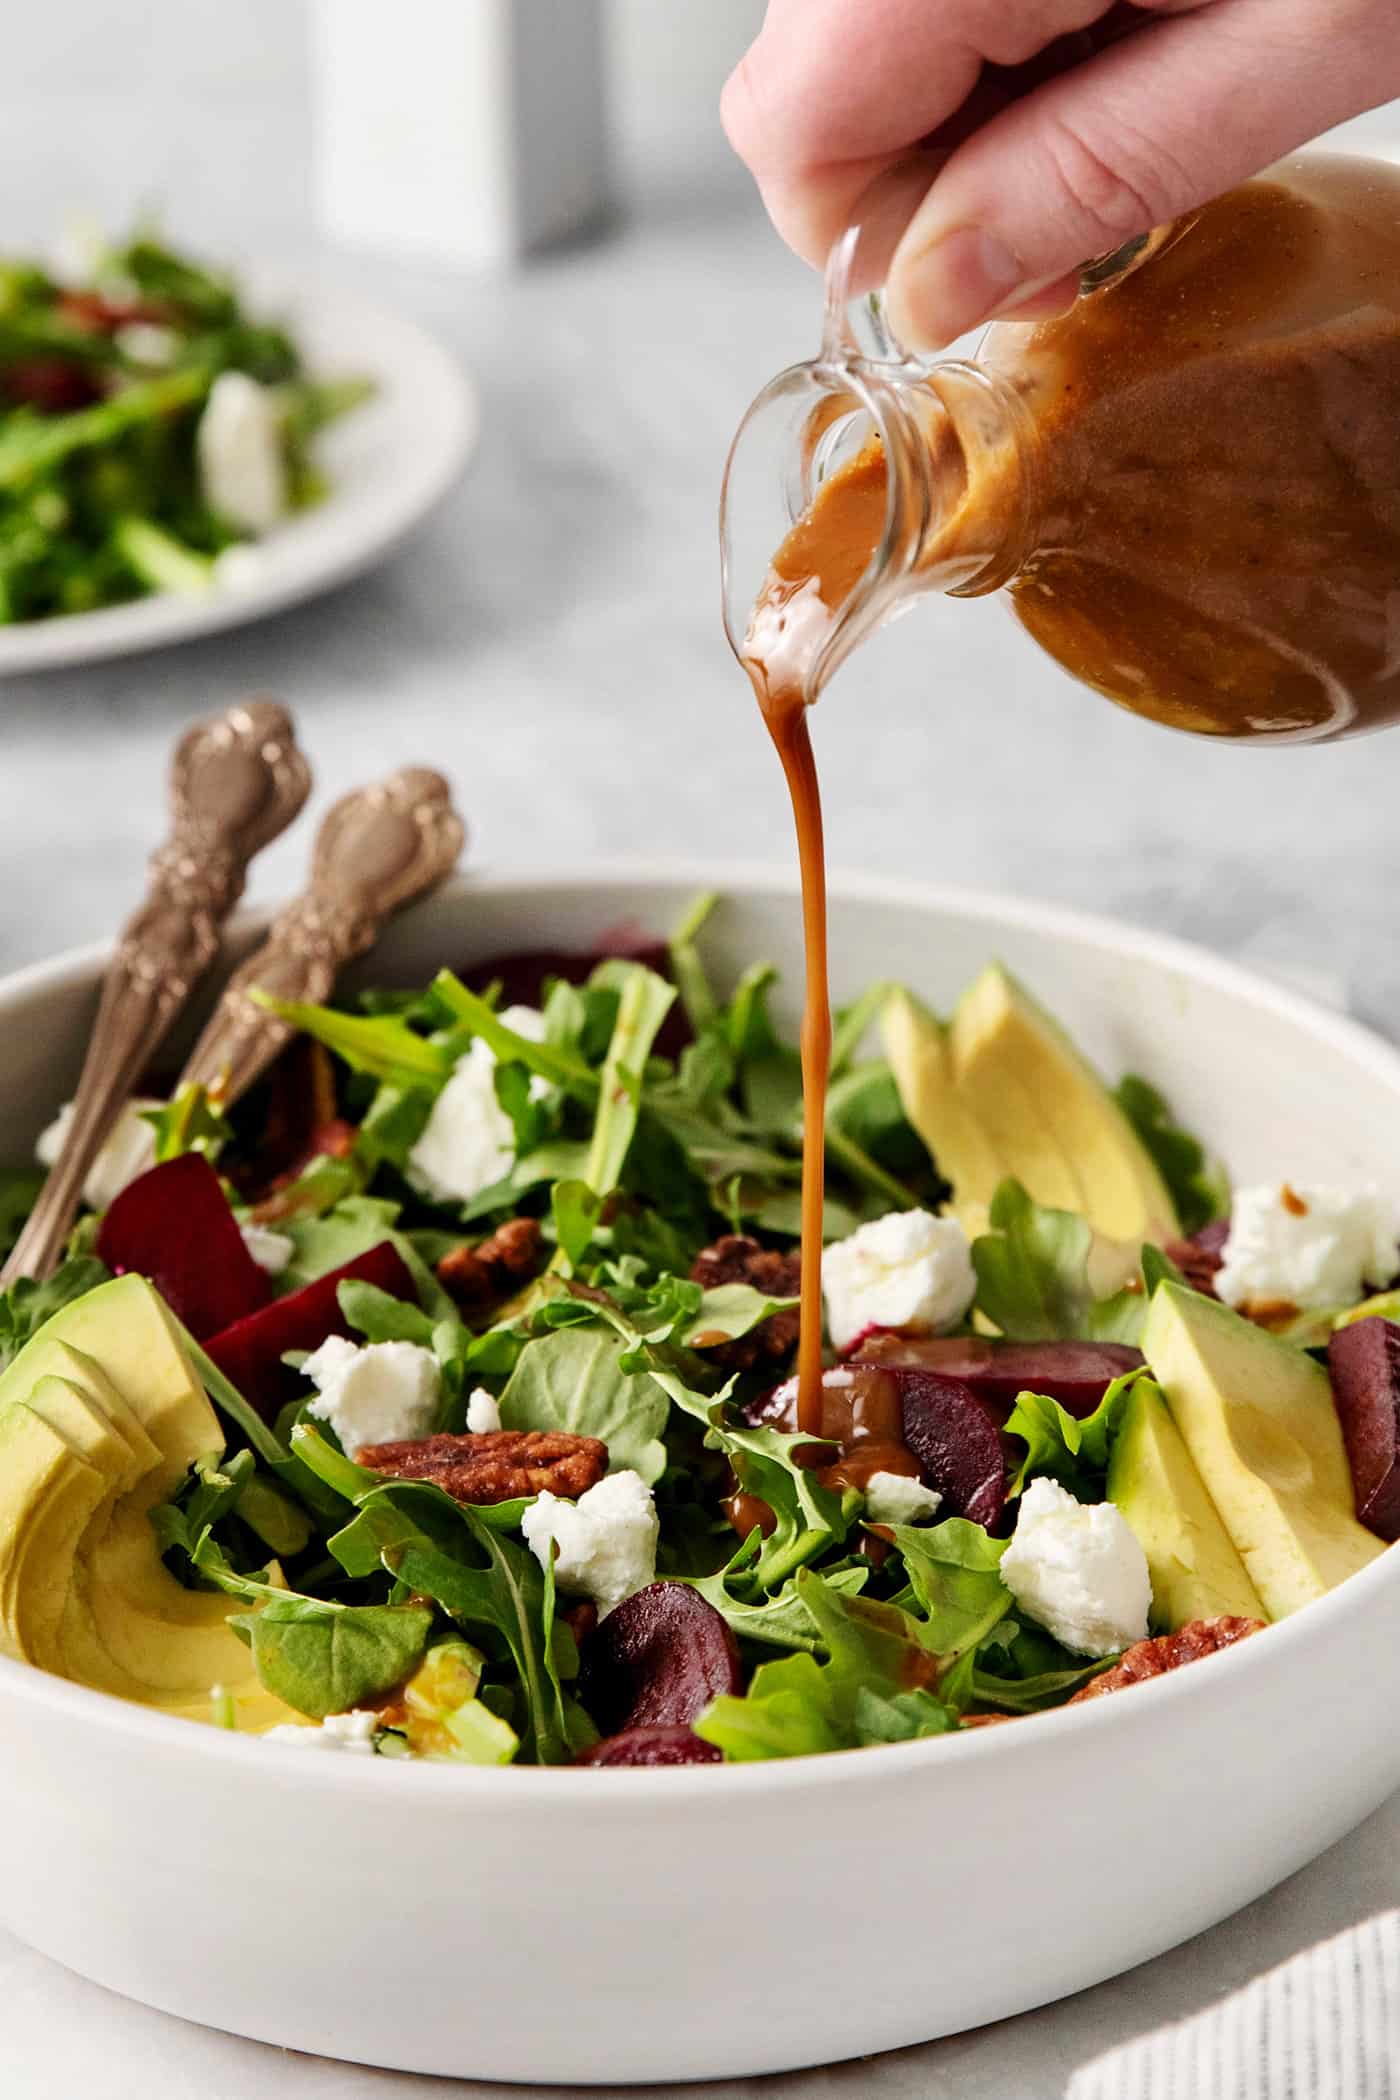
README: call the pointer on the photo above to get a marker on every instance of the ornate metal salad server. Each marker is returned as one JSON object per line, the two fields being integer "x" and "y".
{"x": 378, "y": 849}
{"x": 236, "y": 781}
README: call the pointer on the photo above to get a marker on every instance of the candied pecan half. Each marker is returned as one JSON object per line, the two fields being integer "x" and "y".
{"x": 475, "y": 1276}
{"x": 495, "y": 1465}
{"x": 1170, "y": 1651}
{"x": 738, "y": 1259}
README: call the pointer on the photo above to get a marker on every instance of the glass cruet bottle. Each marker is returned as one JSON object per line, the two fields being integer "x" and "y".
{"x": 1188, "y": 486}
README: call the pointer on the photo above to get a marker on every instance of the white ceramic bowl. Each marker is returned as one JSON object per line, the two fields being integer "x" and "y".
{"x": 603, "y": 1927}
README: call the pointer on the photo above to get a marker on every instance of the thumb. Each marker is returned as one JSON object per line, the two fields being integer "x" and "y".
{"x": 1150, "y": 128}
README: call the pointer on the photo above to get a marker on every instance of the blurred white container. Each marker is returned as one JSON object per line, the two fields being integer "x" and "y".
{"x": 465, "y": 131}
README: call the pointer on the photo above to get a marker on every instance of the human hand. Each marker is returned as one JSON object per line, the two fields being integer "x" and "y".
{"x": 1051, "y": 130}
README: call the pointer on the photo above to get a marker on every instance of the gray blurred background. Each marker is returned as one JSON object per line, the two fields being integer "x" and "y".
{"x": 551, "y": 637}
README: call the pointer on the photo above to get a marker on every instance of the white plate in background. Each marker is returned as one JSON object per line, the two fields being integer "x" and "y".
{"x": 388, "y": 463}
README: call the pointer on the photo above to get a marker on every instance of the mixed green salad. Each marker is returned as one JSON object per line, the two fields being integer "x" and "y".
{"x": 437, "y": 1401}
{"x": 151, "y": 429}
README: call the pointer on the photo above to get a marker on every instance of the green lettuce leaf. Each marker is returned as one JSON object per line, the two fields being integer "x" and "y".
{"x": 1074, "y": 1452}
{"x": 873, "y": 1687}
{"x": 954, "y": 1571}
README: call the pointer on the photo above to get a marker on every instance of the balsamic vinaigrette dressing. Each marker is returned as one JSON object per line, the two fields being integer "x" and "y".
{"x": 812, "y": 574}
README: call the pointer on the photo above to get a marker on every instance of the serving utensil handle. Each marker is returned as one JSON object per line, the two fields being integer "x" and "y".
{"x": 378, "y": 849}
{"x": 236, "y": 781}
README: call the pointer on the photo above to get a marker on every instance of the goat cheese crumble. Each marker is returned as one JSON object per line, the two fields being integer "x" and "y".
{"x": 270, "y": 1250}
{"x": 1079, "y": 1570}
{"x": 483, "y": 1412}
{"x": 898, "y": 1498}
{"x": 907, "y": 1269}
{"x": 468, "y": 1142}
{"x": 242, "y": 453}
{"x": 375, "y": 1394}
{"x": 606, "y": 1541}
{"x": 354, "y": 1731}
{"x": 1307, "y": 1247}
{"x": 128, "y": 1151}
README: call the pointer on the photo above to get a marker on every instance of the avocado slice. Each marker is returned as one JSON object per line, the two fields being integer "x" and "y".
{"x": 100, "y": 1417}
{"x": 1001, "y": 1090}
{"x": 39, "y": 1476}
{"x": 1196, "y": 1571}
{"x": 917, "y": 1046}
{"x": 1257, "y": 1417}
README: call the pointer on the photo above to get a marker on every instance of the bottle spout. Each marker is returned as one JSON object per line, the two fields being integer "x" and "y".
{"x": 789, "y": 602}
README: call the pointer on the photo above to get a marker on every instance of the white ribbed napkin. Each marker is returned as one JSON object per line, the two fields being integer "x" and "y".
{"x": 1325, "y": 2026}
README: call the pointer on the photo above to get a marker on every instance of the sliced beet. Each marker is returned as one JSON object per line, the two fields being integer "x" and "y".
{"x": 1364, "y": 1362}
{"x": 955, "y": 1438}
{"x": 657, "y": 1661}
{"x": 1077, "y": 1374}
{"x": 250, "y": 1352}
{"x": 173, "y": 1225}
{"x": 652, "y": 1746}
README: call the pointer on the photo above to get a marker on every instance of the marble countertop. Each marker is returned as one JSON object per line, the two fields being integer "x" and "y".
{"x": 552, "y": 640}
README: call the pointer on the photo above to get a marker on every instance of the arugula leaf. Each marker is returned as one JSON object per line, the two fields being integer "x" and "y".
{"x": 782, "y": 1620}
{"x": 954, "y": 1572}
{"x": 697, "y": 996}
{"x": 574, "y": 1379}
{"x": 727, "y": 1311}
{"x": 1032, "y": 1279}
{"x": 318, "y": 1656}
{"x": 27, "y": 1305}
{"x": 873, "y": 1687}
{"x": 189, "y": 1123}
{"x": 382, "y": 1045}
{"x": 643, "y": 1004}
{"x": 1074, "y": 1452}
{"x": 325, "y": 1658}
{"x": 1198, "y": 1187}
{"x": 576, "y": 1210}
{"x": 561, "y": 1067}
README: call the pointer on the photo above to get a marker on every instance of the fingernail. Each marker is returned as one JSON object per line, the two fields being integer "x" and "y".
{"x": 961, "y": 280}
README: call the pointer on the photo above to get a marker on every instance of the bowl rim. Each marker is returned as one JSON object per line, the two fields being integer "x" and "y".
{"x": 561, "y": 1787}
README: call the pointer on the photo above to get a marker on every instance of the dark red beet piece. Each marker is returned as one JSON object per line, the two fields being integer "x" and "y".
{"x": 657, "y": 1660}
{"x": 1364, "y": 1362}
{"x": 250, "y": 1351}
{"x": 173, "y": 1225}
{"x": 1211, "y": 1238}
{"x": 956, "y": 1441}
{"x": 1077, "y": 1374}
{"x": 652, "y": 1746}
{"x": 523, "y": 977}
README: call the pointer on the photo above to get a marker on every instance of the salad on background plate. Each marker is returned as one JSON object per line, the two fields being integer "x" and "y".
{"x": 152, "y": 429}
{"x": 437, "y": 1403}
